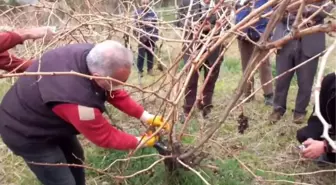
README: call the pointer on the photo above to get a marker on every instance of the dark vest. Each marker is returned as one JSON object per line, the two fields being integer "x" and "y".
{"x": 25, "y": 108}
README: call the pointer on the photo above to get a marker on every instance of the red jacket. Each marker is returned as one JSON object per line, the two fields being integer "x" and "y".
{"x": 97, "y": 129}
{"x": 9, "y": 62}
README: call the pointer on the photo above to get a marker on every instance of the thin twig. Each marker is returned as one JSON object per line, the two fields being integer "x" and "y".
{"x": 193, "y": 170}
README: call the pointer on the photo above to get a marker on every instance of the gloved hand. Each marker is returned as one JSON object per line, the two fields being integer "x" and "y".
{"x": 156, "y": 121}
{"x": 150, "y": 142}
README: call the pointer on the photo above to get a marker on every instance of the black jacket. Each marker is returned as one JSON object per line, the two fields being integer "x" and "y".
{"x": 327, "y": 104}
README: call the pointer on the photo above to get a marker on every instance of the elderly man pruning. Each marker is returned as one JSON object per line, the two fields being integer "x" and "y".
{"x": 9, "y": 39}
{"x": 40, "y": 118}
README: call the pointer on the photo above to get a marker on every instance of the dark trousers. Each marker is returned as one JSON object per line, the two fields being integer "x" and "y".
{"x": 288, "y": 57}
{"x": 142, "y": 52}
{"x": 265, "y": 70}
{"x": 191, "y": 89}
{"x": 61, "y": 150}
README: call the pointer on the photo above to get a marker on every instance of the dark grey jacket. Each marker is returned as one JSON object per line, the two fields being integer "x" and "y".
{"x": 195, "y": 14}
{"x": 311, "y": 44}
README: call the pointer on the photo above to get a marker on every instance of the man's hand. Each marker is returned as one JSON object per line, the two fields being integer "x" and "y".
{"x": 156, "y": 121}
{"x": 206, "y": 27}
{"x": 150, "y": 142}
{"x": 314, "y": 148}
{"x": 143, "y": 39}
{"x": 45, "y": 32}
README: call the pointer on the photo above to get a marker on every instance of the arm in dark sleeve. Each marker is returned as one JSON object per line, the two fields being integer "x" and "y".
{"x": 136, "y": 23}
{"x": 91, "y": 123}
{"x": 9, "y": 40}
{"x": 155, "y": 24}
{"x": 122, "y": 101}
{"x": 213, "y": 19}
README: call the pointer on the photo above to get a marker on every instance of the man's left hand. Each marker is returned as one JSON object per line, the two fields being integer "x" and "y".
{"x": 314, "y": 148}
{"x": 207, "y": 26}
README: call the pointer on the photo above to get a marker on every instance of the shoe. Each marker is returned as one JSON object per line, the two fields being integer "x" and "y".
{"x": 268, "y": 99}
{"x": 183, "y": 117}
{"x": 199, "y": 105}
{"x": 141, "y": 74}
{"x": 298, "y": 118}
{"x": 275, "y": 116}
{"x": 205, "y": 112}
{"x": 150, "y": 72}
{"x": 160, "y": 67}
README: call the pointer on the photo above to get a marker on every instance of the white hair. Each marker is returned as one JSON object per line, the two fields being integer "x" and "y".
{"x": 107, "y": 57}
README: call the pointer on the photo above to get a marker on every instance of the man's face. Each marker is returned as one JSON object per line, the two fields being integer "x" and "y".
{"x": 144, "y": 4}
{"x": 121, "y": 75}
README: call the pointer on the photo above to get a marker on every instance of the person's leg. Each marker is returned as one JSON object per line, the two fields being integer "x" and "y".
{"x": 305, "y": 76}
{"x": 46, "y": 154}
{"x": 210, "y": 85}
{"x": 191, "y": 92}
{"x": 150, "y": 56}
{"x": 141, "y": 58}
{"x": 74, "y": 154}
{"x": 265, "y": 73}
{"x": 284, "y": 62}
{"x": 246, "y": 49}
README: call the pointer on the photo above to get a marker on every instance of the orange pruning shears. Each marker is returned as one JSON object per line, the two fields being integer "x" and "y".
{"x": 159, "y": 145}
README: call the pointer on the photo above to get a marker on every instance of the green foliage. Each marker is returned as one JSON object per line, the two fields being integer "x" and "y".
{"x": 232, "y": 174}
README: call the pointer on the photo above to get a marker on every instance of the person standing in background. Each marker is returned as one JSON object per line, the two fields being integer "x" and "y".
{"x": 246, "y": 44}
{"x": 147, "y": 33}
{"x": 192, "y": 22}
{"x": 292, "y": 54}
